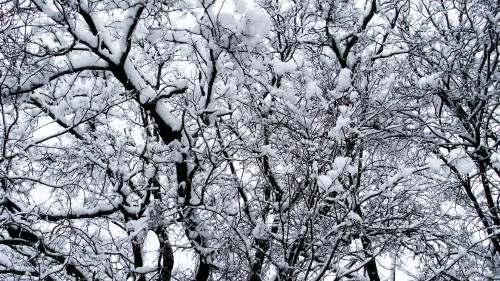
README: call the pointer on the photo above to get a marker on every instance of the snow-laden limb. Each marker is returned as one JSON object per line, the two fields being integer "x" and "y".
{"x": 79, "y": 213}
{"x": 43, "y": 77}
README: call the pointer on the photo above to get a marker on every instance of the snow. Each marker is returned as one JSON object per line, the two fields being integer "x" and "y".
{"x": 137, "y": 226}
{"x": 311, "y": 89}
{"x": 315, "y": 166}
{"x": 389, "y": 81}
{"x": 434, "y": 164}
{"x": 495, "y": 160}
{"x": 155, "y": 37}
{"x": 79, "y": 61}
{"x": 227, "y": 20}
{"x": 166, "y": 116}
{"x": 401, "y": 174}
{"x": 462, "y": 251}
{"x": 342, "y": 123}
{"x": 333, "y": 174}
{"x": 344, "y": 80}
{"x": 147, "y": 94}
{"x": 341, "y": 162}
{"x": 108, "y": 150}
{"x": 343, "y": 109}
{"x": 353, "y": 216}
{"x": 456, "y": 153}
{"x": 231, "y": 210}
{"x": 258, "y": 22}
{"x": 286, "y": 6}
{"x": 353, "y": 96}
{"x": 430, "y": 82}
{"x": 150, "y": 172}
{"x": 145, "y": 269}
{"x": 459, "y": 159}
{"x": 324, "y": 182}
{"x": 259, "y": 231}
{"x": 281, "y": 68}
{"x": 240, "y": 6}
{"x": 268, "y": 150}
{"x": 194, "y": 201}
{"x": 464, "y": 165}
{"x": 48, "y": 10}
{"x": 406, "y": 172}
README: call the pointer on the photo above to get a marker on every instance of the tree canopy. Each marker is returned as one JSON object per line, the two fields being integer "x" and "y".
{"x": 249, "y": 140}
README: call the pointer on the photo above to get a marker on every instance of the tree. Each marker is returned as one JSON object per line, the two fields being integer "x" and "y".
{"x": 274, "y": 140}
{"x": 453, "y": 61}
